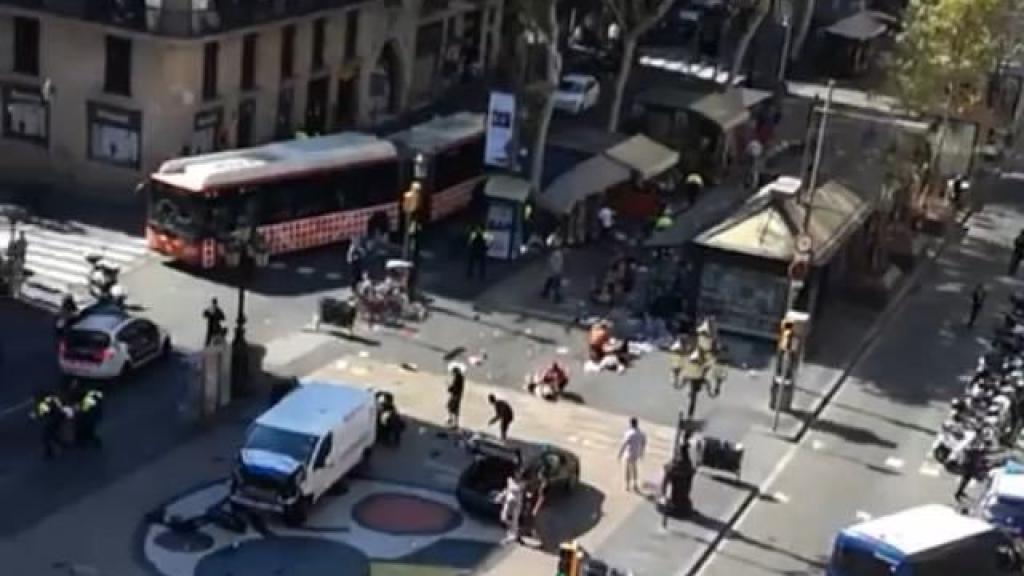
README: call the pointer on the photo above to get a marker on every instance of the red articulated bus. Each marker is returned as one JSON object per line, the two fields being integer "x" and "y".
{"x": 453, "y": 153}
{"x": 309, "y": 192}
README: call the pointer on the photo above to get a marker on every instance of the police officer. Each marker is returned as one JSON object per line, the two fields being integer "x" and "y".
{"x": 50, "y": 413}
{"x": 476, "y": 263}
{"x": 214, "y": 317}
{"x": 88, "y": 412}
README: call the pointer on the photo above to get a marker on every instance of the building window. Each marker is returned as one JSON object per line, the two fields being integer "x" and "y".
{"x": 319, "y": 33}
{"x": 26, "y": 116}
{"x": 246, "y": 115}
{"x": 206, "y": 131}
{"x": 118, "y": 77}
{"x": 283, "y": 122}
{"x": 287, "y": 52}
{"x": 249, "y": 44}
{"x": 351, "y": 34}
{"x": 115, "y": 135}
{"x": 26, "y": 46}
{"x": 211, "y": 51}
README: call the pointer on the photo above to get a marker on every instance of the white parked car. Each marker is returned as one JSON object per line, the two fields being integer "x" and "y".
{"x": 577, "y": 93}
{"x": 106, "y": 344}
{"x": 302, "y": 446}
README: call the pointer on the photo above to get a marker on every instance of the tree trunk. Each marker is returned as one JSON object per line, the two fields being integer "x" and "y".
{"x": 554, "y": 72}
{"x": 629, "y": 43}
{"x": 748, "y": 36}
{"x": 801, "y": 34}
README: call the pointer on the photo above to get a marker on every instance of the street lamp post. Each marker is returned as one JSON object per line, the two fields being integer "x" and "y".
{"x": 246, "y": 251}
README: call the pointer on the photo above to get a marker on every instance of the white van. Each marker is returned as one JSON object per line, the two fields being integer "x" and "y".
{"x": 298, "y": 449}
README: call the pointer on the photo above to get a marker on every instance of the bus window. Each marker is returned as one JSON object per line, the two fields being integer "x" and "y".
{"x": 176, "y": 212}
{"x": 459, "y": 164}
{"x": 365, "y": 186}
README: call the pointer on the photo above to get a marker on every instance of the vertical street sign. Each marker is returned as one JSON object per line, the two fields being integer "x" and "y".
{"x": 499, "y": 150}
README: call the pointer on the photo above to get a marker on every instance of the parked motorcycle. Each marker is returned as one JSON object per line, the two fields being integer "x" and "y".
{"x": 989, "y": 414}
{"x": 104, "y": 281}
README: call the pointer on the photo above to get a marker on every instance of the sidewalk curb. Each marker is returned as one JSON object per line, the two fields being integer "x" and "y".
{"x": 885, "y": 317}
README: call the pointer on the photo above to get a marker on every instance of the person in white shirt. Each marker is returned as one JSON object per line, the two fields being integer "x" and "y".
{"x": 634, "y": 443}
{"x": 606, "y": 217}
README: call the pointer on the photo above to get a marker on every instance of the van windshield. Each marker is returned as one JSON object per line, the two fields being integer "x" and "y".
{"x": 277, "y": 441}
{"x": 856, "y": 561}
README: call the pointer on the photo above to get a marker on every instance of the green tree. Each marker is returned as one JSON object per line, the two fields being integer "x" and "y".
{"x": 539, "y": 22}
{"x": 945, "y": 55}
{"x": 635, "y": 18}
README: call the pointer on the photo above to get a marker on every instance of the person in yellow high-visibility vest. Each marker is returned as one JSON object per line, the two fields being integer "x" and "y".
{"x": 664, "y": 220}
{"x": 476, "y": 263}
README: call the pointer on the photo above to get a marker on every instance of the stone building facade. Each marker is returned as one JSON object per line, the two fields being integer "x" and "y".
{"x": 97, "y": 93}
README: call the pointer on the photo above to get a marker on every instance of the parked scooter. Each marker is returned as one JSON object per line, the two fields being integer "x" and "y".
{"x": 104, "y": 283}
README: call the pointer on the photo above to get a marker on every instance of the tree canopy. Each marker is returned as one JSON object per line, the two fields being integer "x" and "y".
{"x": 947, "y": 52}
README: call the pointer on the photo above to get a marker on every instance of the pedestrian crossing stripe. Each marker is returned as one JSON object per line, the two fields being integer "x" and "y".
{"x": 56, "y": 261}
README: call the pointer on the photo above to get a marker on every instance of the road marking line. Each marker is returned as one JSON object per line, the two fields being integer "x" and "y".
{"x": 895, "y": 463}
{"x": 5, "y": 412}
{"x": 928, "y": 470}
{"x": 333, "y": 276}
{"x": 305, "y": 271}
{"x": 780, "y": 498}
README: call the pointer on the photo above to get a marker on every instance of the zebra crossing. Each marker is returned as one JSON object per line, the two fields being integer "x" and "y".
{"x": 56, "y": 258}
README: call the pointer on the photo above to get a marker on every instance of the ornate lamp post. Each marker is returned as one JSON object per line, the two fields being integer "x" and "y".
{"x": 412, "y": 204}
{"x": 244, "y": 252}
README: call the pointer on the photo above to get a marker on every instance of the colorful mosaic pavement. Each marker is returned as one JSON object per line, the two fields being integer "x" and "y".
{"x": 373, "y": 529}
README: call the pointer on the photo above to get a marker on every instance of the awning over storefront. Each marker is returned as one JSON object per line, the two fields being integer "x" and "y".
{"x": 730, "y": 108}
{"x": 507, "y": 188}
{"x": 587, "y": 178}
{"x": 768, "y": 224}
{"x": 727, "y": 109}
{"x": 644, "y": 156}
{"x": 860, "y": 26}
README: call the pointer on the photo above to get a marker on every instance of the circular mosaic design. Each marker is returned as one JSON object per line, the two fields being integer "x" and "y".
{"x": 405, "y": 514}
{"x": 286, "y": 555}
{"x": 184, "y": 542}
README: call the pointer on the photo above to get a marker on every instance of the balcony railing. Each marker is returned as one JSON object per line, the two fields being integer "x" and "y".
{"x": 177, "y": 19}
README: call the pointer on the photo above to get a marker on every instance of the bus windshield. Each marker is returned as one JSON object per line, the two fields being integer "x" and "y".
{"x": 177, "y": 212}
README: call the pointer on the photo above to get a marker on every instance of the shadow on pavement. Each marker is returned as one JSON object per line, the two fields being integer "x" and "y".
{"x": 848, "y": 433}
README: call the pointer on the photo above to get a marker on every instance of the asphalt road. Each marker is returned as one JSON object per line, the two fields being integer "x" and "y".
{"x": 141, "y": 422}
{"x": 867, "y": 455}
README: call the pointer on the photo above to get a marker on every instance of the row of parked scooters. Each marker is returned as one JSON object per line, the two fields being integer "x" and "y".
{"x": 985, "y": 421}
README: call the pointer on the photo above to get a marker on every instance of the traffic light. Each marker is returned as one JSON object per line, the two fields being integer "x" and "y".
{"x": 570, "y": 559}
{"x": 786, "y": 336}
{"x": 411, "y": 199}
